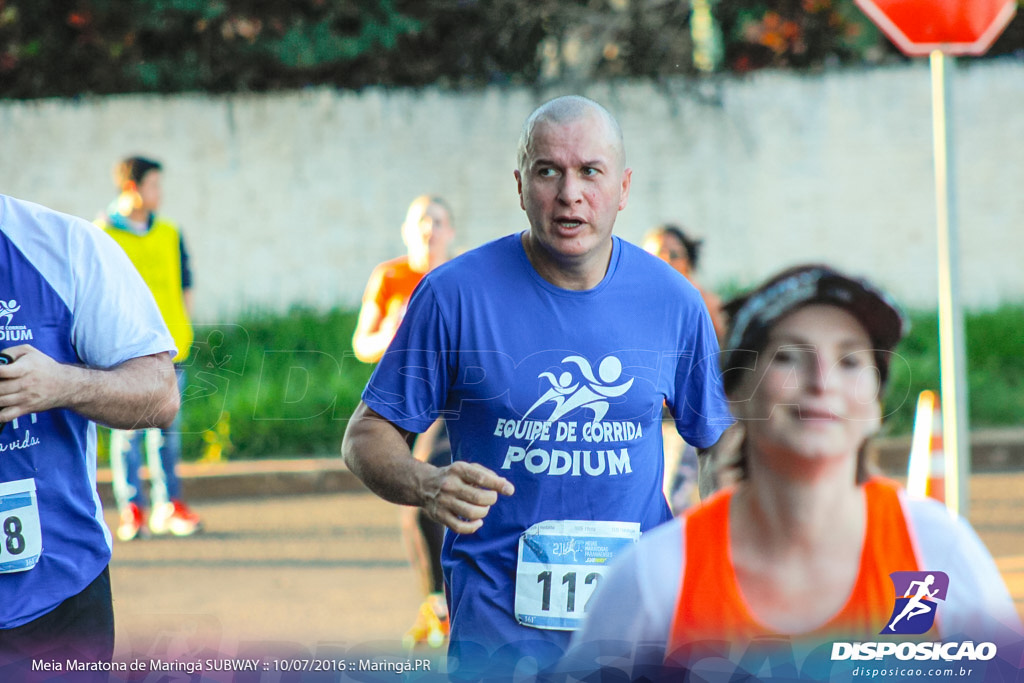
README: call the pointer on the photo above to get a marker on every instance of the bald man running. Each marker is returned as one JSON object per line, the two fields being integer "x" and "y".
{"x": 538, "y": 499}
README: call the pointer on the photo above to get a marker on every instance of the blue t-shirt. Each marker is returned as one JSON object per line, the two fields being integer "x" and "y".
{"x": 560, "y": 392}
{"x": 67, "y": 289}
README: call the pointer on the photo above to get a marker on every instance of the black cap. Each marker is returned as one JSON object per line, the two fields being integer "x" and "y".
{"x": 751, "y": 315}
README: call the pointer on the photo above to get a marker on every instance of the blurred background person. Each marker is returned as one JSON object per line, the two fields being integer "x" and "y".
{"x": 427, "y": 232}
{"x": 156, "y": 247}
{"x": 669, "y": 243}
{"x": 803, "y": 543}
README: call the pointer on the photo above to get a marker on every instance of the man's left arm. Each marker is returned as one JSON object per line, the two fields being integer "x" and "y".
{"x": 137, "y": 393}
{"x": 705, "y": 408}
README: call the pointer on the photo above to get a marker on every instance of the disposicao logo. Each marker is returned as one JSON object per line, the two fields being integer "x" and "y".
{"x": 913, "y": 614}
{"x": 916, "y": 595}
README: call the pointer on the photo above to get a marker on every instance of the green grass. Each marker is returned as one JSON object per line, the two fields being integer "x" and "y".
{"x": 994, "y": 343}
{"x": 286, "y": 384}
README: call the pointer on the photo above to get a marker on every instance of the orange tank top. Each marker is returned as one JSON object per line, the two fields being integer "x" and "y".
{"x": 391, "y": 286}
{"x": 710, "y": 605}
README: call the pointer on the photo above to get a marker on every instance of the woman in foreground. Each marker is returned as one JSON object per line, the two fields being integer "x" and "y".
{"x": 800, "y": 548}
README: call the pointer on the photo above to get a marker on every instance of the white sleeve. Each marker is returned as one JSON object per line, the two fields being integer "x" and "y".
{"x": 628, "y": 621}
{"x": 113, "y": 315}
{"x": 978, "y": 606}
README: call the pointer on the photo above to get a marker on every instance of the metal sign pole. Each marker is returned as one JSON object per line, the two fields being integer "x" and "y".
{"x": 955, "y": 428}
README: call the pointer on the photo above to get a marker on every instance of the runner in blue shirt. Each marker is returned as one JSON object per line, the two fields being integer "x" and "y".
{"x": 84, "y": 342}
{"x": 549, "y": 360}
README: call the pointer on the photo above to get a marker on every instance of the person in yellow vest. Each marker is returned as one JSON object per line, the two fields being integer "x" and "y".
{"x": 156, "y": 247}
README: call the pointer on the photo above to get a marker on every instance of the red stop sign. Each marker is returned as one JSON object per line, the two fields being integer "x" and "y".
{"x": 956, "y": 27}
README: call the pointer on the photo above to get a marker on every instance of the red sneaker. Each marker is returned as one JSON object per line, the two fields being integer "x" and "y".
{"x": 174, "y": 518}
{"x": 132, "y": 523}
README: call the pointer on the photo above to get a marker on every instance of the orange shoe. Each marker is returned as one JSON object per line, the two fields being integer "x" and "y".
{"x": 132, "y": 523}
{"x": 174, "y": 518}
{"x": 431, "y": 625}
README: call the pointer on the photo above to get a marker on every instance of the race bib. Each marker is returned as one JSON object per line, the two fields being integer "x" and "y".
{"x": 21, "y": 538}
{"x": 561, "y": 564}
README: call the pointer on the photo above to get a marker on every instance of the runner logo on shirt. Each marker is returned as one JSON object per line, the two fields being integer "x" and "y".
{"x": 593, "y": 393}
{"x": 9, "y": 332}
{"x": 560, "y": 445}
{"x": 916, "y": 593}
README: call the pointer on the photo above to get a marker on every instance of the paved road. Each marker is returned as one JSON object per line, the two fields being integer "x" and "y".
{"x": 284, "y": 569}
{"x": 286, "y": 573}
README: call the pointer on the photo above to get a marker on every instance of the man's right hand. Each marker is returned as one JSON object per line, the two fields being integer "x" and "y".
{"x": 32, "y": 383}
{"x": 140, "y": 392}
{"x": 461, "y": 494}
{"x": 458, "y": 496}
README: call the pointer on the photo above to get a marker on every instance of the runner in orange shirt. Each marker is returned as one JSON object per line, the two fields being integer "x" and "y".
{"x": 427, "y": 233}
{"x": 806, "y": 544}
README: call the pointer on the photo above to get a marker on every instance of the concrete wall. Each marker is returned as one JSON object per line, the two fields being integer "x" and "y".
{"x": 294, "y": 197}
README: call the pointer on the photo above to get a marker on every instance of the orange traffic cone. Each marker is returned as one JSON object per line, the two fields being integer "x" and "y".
{"x": 926, "y": 470}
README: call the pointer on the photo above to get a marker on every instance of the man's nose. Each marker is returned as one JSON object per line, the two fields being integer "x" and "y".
{"x": 570, "y": 190}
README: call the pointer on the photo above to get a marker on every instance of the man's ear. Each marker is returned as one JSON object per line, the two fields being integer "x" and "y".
{"x": 627, "y": 179}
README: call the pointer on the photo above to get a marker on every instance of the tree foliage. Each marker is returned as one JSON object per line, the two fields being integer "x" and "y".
{"x": 74, "y": 47}
{"x": 53, "y": 47}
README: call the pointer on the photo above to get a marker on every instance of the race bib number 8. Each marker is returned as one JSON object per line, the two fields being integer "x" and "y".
{"x": 561, "y": 564}
{"x": 21, "y": 539}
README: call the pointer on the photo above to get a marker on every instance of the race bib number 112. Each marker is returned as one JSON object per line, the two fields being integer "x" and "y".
{"x": 561, "y": 564}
